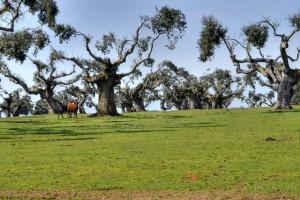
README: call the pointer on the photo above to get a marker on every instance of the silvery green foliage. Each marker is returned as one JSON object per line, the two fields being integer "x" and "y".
{"x": 40, "y": 108}
{"x": 256, "y": 34}
{"x": 277, "y": 71}
{"x": 222, "y": 87}
{"x": 254, "y": 99}
{"x": 211, "y": 37}
{"x": 106, "y": 44}
{"x": 15, "y": 44}
{"x": 46, "y": 10}
{"x": 12, "y": 10}
{"x": 171, "y": 22}
{"x": 15, "y": 104}
{"x": 64, "y": 32}
{"x": 295, "y": 20}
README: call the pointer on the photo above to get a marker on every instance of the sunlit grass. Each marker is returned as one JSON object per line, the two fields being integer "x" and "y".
{"x": 209, "y": 150}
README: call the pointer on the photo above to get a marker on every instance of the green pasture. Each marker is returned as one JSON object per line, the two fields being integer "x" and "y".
{"x": 198, "y": 150}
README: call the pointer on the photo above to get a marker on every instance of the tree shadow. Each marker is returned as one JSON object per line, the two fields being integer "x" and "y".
{"x": 36, "y": 131}
{"x": 196, "y": 125}
{"x": 144, "y": 131}
{"x": 62, "y": 139}
{"x": 280, "y": 111}
{"x": 6, "y": 138}
{"x": 24, "y": 122}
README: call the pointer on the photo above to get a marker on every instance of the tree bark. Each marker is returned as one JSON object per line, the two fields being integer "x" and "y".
{"x": 9, "y": 109}
{"x": 106, "y": 99}
{"x": 184, "y": 104}
{"x": 284, "y": 94}
{"x": 139, "y": 104}
{"x": 81, "y": 105}
{"x": 193, "y": 103}
{"x": 55, "y": 107}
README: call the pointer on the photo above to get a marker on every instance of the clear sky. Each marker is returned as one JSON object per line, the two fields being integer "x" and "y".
{"x": 97, "y": 17}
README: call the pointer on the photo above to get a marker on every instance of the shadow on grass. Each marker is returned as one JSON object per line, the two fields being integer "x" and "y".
{"x": 119, "y": 131}
{"x": 24, "y": 122}
{"x": 6, "y": 138}
{"x": 14, "y": 133}
{"x": 63, "y": 139}
{"x": 196, "y": 125}
{"x": 109, "y": 126}
{"x": 280, "y": 111}
{"x": 38, "y": 131}
{"x": 161, "y": 116}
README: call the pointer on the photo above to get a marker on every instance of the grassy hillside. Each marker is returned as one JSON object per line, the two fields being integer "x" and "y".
{"x": 200, "y": 150}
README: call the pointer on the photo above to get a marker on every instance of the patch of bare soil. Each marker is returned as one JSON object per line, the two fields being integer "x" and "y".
{"x": 138, "y": 195}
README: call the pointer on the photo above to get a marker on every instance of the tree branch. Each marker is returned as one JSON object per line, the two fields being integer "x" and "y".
{"x": 69, "y": 82}
{"x": 142, "y": 60}
{"x": 130, "y": 50}
{"x": 292, "y": 34}
{"x": 7, "y": 73}
{"x": 14, "y": 17}
{"x": 273, "y": 28}
{"x": 253, "y": 62}
{"x": 64, "y": 74}
{"x": 297, "y": 57}
{"x": 87, "y": 46}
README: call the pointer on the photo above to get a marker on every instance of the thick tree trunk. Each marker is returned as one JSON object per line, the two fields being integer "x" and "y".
{"x": 214, "y": 104}
{"x": 123, "y": 108}
{"x": 220, "y": 103}
{"x": 81, "y": 110}
{"x": 184, "y": 104}
{"x": 55, "y": 106}
{"x": 126, "y": 107}
{"x": 8, "y": 114}
{"x": 81, "y": 106}
{"x": 177, "y": 105}
{"x": 106, "y": 99}
{"x": 193, "y": 103}
{"x": 162, "y": 104}
{"x": 285, "y": 93}
{"x": 137, "y": 97}
{"x": 139, "y": 104}
{"x": 8, "y": 110}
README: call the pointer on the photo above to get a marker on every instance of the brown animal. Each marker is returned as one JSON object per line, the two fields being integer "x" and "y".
{"x": 72, "y": 108}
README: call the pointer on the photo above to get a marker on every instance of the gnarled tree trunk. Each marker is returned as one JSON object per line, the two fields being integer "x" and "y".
{"x": 286, "y": 89}
{"x": 55, "y": 107}
{"x": 81, "y": 105}
{"x": 139, "y": 104}
{"x": 193, "y": 103}
{"x": 106, "y": 99}
{"x": 284, "y": 94}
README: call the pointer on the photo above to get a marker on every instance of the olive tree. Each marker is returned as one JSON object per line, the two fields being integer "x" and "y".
{"x": 172, "y": 84}
{"x": 102, "y": 69}
{"x": 40, "y": 108}
{"x": 123, "y": 99}
{"x": 15, "y": 104}
{"x": 277, "y": 70}
{"x": 254, "y": 99}
{"x": 15, "y": 43}
{"x": 221, "y": 88}
{"x": 46, "y": 79}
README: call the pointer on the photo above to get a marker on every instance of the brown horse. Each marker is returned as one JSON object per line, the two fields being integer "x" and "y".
{"x": 72, "y": 108}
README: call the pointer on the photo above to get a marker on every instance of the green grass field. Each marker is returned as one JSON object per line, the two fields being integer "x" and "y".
{"x": 200, "y": 150}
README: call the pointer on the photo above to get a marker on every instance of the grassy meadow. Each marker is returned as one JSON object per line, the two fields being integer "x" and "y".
{"x": 198, "y": 150}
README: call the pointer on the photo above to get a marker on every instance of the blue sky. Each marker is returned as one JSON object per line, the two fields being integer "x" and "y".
{"x": 97, "y": 17}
